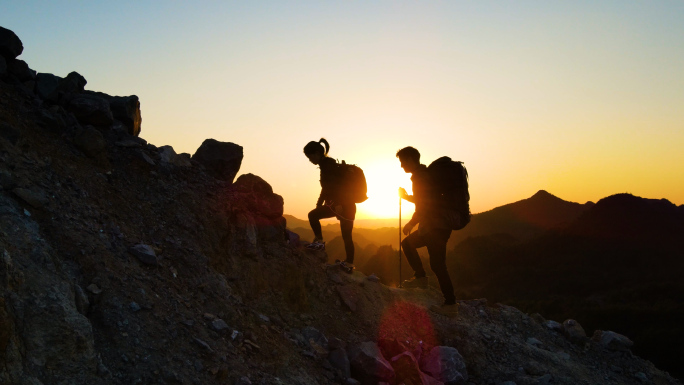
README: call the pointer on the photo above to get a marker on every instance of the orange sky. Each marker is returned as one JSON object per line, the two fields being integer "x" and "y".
{"x": 579, "y": 98}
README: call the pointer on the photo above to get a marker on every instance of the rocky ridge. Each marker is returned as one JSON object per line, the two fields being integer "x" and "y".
{"x": 123, "y": 262}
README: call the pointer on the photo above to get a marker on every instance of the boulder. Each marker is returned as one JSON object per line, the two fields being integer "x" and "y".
{"x": 126, "y": 109}
{"x": 612, "y": 340}
{"x": 339, "y": 360}
{"x": 574, "y": 332}
{"x": 10, "y": 44}
{"x": 221, "y": 159}
{"x": 368, "y": 365}
{"x": 260, "y": 196}
{"x": 3, "y": 66}
{"x": 20, "y": 70}
{"x": 72, "y": 83}
{"x": 445, "y": 364}
{"x": 47, "y": 87}
{"x": 168, "y": 156}
{"x": 90, "y": 142}
{"x": 91, "y": 109}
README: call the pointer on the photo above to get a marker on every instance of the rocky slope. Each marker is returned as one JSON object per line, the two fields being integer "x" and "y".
{"x": 125, "y": 263}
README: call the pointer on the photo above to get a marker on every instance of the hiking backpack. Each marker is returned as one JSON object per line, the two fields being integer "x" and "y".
{"x": 353, "y": 182}
{"x": 450, "y": 179}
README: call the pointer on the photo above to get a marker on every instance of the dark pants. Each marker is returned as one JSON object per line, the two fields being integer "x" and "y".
{"x": 346, "y": 225}
{"x": 436, "y": 241}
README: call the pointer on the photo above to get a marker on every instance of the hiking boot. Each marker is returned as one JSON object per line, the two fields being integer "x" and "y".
{"x": 347, "y": 267}
{"x": 447, "y": 309}
{"x": 415, "y": 282}
{"x": 316, "y": 245}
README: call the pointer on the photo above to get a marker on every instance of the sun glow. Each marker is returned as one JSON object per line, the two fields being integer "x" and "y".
{"x": 384, "y": 177}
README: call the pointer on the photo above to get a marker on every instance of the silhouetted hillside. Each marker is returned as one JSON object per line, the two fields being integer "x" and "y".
{"x": 523, "y": 220}
{"x": 618, "y": 265}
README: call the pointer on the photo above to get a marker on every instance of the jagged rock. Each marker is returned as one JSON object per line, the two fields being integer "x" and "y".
{"x": 339, "y": 360}
{"x": 349, "y": 296}
{"x": 72, "y": 83}
{"x": 90, "y": 141}
{"x": 574, "y": 332}
{"x": 391, "y": 347}
{"x": 612, "y": 340}
{"x": 91, "y": 109}
{"x": 10, "y": 44}
{"x": 445, "y": 364}
{"x": 20, "y": 70}
{"x": 407, "y": 370}
{"x": 47, "y": 87}
{"x": 314, "y": 336}
{"x": 127, "y": 110}
{"x": 222, "y": 160}
{"x": 168, "y": 155}
{"x": 368, "y": 365}
{"x": 263, "y": 201}
{"x": 144, "y": 253}
{"x": 35, "y": 197}
{"x": 82, "y": 302}
{"x": 9, "y": 132}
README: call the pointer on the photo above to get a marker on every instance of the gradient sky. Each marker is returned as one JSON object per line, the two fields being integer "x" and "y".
{"x": 581, "y": 98}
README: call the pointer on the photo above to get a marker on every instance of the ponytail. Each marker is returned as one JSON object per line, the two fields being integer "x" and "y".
{"x": 322, "y": 147}
{"x": 326, "y": 144}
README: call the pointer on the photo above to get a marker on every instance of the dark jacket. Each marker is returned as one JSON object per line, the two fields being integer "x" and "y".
{"x": 330, "y": 181}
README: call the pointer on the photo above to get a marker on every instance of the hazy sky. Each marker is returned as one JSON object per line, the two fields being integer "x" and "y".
{"x": 582, "y": 98}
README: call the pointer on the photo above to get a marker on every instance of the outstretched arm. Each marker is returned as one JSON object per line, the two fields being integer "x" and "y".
{"x": 404, "y": 195}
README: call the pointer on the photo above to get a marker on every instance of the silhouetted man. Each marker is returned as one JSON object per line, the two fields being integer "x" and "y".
{"x": 433, "y": 233}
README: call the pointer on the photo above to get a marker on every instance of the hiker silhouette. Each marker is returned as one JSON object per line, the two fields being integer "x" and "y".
{"x": 434, "y": 231}
{"x": 332, "y": 202}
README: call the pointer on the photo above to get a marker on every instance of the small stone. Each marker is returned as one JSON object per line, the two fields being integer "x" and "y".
{"x": 219, "y": 325}
{"x": 93, "y": 288}
{"x": 544, "y": 380}
{"x": 554, "y": 326}
{"x": 373, "y": 278}
{"x": 203, "y": 344}
{"x": 641, "y": 376}
{"x": 134, "y": 307}
{"x": 145, "y": 254}
{"x": 534, "y": 342}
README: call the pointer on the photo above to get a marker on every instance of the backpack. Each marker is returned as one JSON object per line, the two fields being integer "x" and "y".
{"x": 450, "y": 179}
{"x": 353, "y": 182}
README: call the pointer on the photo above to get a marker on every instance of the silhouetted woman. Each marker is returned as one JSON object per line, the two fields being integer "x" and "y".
{"x": 331, "y": 202}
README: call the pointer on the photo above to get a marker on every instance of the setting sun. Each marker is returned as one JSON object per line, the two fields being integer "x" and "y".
{"x": 384, "y": 177}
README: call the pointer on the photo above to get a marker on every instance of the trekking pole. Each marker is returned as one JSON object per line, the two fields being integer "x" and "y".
{"x": 400, "y": 241}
